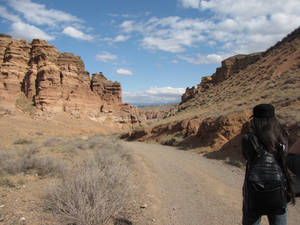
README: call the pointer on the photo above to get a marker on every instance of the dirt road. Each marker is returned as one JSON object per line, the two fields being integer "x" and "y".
{"x": 185, "y": 188}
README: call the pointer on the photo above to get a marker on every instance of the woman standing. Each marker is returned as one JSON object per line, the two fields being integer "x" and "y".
{"x": 272, "y": 138}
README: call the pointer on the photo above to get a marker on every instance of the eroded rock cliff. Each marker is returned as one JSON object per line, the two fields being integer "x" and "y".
{"x": 230, "y": 66}
{"x": 57, "y": 82}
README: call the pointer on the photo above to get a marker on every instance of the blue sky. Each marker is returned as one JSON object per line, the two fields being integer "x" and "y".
{"x": 156, "y": 48}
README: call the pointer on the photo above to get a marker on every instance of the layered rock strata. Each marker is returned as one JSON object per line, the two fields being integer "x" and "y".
{"x": 230, "y": 66}
{"x": 57, "y": 82}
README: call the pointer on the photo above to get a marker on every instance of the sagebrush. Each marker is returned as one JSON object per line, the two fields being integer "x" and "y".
{"x": 95, "y": 191}
{"x": 25, "y": 161}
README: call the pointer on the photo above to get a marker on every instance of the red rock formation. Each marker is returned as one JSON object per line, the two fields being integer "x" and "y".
{"x": 230, "y": 66}
{"x": 233, "y": 65}
{"x": 14, "y": 55}
{"x": 110, "y": 92}
{"x": 57, "y": 82}
{"x": 189, "y": 93}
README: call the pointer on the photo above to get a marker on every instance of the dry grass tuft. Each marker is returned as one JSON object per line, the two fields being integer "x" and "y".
{"x": 25, "y": 104}
{"x": 235, "y": 163}
{"x": 172, "y": 140}
{"x": 96, "y": 190}
{"x": 14, "y": 163}
{"x": 22, "y": 141}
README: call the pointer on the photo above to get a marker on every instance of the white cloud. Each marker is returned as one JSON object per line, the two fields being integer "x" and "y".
{"x": 124, "y": 72}
{"x": 170, "y": 34}
{"x": 129, "y": 26}
{"x": 74, "y": 33}
{"x": 190, "y": 3}
{"x": 105, "y": 57}
{"x": 9, "y": 16}
{"x": 204, "y": 59}
{"x": 38, "y": 14}
{"x": 249, "y": 25}
{"x": 165, "y": 91}
{"x": 154, "y": 95}
{"x": 231, "y": 26}
{"x": 121, "y": 38}
{"x": 157, "y": 43}
{"x": 20, "y": 29}
{"x": 27, "y": 31}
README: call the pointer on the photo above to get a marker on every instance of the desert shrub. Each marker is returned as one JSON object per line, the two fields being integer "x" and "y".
{"x": 7, "y": 182}
{"x": 10, "y": 163}
{"x": 47, "y": 165}
{"x": 232, "y": 162}
{"x": 171, "y": 140}
{"x": 95, "y": 191}
{"x": 26, "y": 161}
{"x": 25, "y": 104}
{"x": 23, "y": 141}
{"x": 11, "y": 181}
{"x": 50, "y": 142}
{"x": 291, "y": 80}
{"x": 87, "y": 144}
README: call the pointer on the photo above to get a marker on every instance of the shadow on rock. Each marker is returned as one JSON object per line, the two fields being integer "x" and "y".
{"x": 232, "y": 150}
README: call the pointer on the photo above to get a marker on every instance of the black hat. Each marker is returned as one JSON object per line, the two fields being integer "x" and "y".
{"x": 264, "y": 111}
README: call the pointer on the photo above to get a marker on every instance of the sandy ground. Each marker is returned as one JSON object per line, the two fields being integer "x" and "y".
{"x": 189, "y": 189}
{"x": 174, "y": 186}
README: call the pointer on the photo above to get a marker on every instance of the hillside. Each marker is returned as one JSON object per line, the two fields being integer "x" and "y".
{"x": 211, "y": 116}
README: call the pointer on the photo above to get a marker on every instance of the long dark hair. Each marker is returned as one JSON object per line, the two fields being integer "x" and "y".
{"x": 270, "y": 132}
{"x": 274, "y": 137}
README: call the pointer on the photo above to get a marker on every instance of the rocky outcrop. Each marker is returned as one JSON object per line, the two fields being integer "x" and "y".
{"x": 14, "y": 55}
{"x": 196, "y": 132}
{"x": 233, "y": 65}
{"x": 110, "y": 92}
{"x": 189, "y": 93}
{"x": 158, "y": 115}
{"x": 229, "y": 67}
{"x": 57, "y": 82}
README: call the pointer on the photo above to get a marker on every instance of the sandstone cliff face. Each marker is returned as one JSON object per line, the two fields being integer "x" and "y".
{"x": 108, "y": 91}
{"x": 57, "y": 82}
{"x": 229, "y": 67}
{"x": 14, "y": 55}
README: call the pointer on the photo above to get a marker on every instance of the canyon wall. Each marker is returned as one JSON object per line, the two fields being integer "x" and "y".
{"x": 57, "y": 82}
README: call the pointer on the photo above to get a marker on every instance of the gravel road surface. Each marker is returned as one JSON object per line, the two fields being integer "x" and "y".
{"x": 189, "y": 189}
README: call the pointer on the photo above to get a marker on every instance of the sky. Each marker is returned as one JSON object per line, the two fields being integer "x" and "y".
{"x": 156, "y": 48}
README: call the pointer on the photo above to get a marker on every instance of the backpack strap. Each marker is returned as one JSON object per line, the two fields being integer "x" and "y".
{"x": 255, "y": 144}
